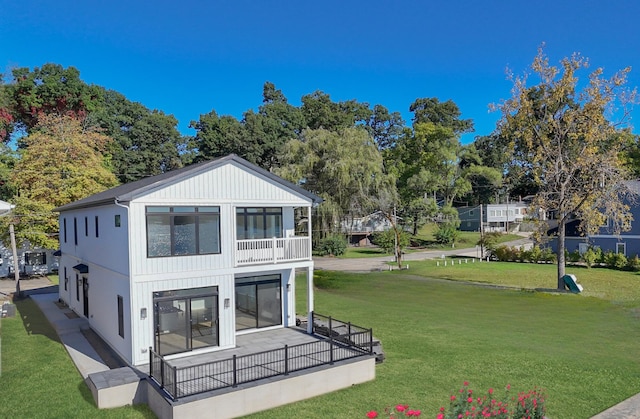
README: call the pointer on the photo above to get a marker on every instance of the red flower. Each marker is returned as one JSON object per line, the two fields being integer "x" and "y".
{"x": 401, "y": 408}
{"x": 453, "y": 398}
{"x": 466, "y": 383}
{"x": 470, "y": 400}
{"x": 490, "y": 391}
{"x": 372, "y": 414}
{"x": 440, "y": 416}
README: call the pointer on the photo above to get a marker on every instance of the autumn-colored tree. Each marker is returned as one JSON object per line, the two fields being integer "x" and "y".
{"x": 61, "y": 162}
{"x": 560, "y": 137}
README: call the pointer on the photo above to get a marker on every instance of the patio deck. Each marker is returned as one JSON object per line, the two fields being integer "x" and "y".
{"x": 246, "y": 344}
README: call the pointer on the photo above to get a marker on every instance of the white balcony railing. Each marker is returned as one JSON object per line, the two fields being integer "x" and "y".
{"x": 275, "y": 250}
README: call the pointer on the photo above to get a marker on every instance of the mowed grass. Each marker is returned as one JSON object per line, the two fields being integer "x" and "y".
{"x": 436, "y": 334}
{"x": 38, "y": 379}
{"x": 427, "y": 241}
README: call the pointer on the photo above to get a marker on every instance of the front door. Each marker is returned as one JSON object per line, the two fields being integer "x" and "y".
{"x": 85, "y": 295}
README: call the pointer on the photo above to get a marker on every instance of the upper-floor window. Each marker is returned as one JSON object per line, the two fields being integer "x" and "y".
{"x": 176, "y": 231}
{"x": 97, "y": 231}
{"x": 64, "y": 229}
{"x": 86, "y": 226}
{"x": 258, "y": 223}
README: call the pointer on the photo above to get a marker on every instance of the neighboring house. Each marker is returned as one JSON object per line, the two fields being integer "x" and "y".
{"x": 359, "y": 229}
{"x": 31, "y": 260}
{"x": 626, "y": 242}
{"x": 470, "y": 218}
{"x": 495, "y": 217}
{"x": 506, "y": 217}
{"x": 185, "y": 261}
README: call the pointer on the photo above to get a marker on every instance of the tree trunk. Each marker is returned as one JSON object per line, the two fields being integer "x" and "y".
{"x": 398, "y": 247}
{"x": 560, "y": 253}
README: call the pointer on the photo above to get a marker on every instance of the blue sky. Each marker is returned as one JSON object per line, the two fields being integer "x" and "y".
{"x": 189, "y": 57}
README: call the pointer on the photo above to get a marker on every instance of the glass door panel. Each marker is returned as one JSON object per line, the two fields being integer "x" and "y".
{"x": 204, "y": 322}
{"x": 171, "y": 326}
{"x": 245, "y": 307}
{"x": 269, "y": 310}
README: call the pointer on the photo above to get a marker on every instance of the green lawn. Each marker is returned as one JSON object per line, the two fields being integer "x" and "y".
{"x": 38, "y": 379}
{"x": 436, "y": 334}
{"x": 466, "y": 239}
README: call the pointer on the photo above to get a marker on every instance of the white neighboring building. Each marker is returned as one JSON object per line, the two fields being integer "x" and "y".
{"x": 184, "y": 261}
{"x": 503, "y": 217}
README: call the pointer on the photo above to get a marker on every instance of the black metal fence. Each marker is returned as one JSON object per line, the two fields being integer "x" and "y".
{"x": 341, "y": 344}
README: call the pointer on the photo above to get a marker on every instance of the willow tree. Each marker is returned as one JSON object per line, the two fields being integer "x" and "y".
{"x": 562, "y": 135}
{"x": 345, "y": 168}
{"x": 61, "y": 161}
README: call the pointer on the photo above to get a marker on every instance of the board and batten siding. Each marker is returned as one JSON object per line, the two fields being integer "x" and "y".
{"x": 227, "y": 187}
{"x": 110, "y": 249}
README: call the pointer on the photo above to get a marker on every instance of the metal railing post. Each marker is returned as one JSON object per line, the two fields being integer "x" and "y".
{"x": 235, "y": 372}
{"x": 175, "y": 382}
{"x": 150, "y": 362}
{"x": 330, "y": 349}
{"x": 370, "y": 341}
{"x": 161, "y": 373}
{"x": 286, "y": 359}
{"x": 330, "y": 327}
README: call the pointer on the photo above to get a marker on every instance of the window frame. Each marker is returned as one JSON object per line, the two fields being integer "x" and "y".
{"x": 264, "y": 213}
{"x": 172, "y": 212}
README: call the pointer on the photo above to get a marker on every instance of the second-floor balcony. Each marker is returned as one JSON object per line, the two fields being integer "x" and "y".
{"x": 273, "y": 250}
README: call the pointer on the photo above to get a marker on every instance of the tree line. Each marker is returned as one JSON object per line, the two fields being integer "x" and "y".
{"x": 73, "y": 139}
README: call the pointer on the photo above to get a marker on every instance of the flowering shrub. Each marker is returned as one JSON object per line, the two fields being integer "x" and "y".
{"x": 396, "y": 412}
{"x": 466, "y": 405}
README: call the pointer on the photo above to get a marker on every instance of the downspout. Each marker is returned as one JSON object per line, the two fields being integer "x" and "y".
{"x": 131, "y": 313}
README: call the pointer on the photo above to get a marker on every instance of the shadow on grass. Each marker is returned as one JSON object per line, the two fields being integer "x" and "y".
{"x": 33, "y": 320}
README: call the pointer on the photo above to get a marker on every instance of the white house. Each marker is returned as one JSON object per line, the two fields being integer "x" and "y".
{"x": 504, "y": 217}
{"x": 185, "y": 261}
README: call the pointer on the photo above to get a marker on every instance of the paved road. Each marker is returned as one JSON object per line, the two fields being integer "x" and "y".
{"x": 380, "y": 263}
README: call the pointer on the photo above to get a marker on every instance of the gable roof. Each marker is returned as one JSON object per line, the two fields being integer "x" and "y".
{"x": 129, "y": 191}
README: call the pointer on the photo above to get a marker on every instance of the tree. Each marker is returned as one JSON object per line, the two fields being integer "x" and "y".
{"x": 218, "y": 136}
{"x": 146, "y": 142}
{"x": 446, "y": 114}
{"x": 50, "y": 89}
{"x": 345, "y": 168}
{"x": 275, "y": 123}
{"x": 385, "y": 127}
{"x": 561, "y": 137}
{"x": 62, "y": 162}
{"x": 320, "y": 111}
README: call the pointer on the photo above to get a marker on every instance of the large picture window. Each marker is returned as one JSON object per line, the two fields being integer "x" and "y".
{"x": 177, "y": 231}
{"x": 258, "y": 223}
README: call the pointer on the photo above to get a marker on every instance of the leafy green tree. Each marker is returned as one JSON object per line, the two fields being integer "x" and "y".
{"x": 345, "y": 168}
{"x": 445, "y": 114}
{"x": 385, "y": 127}
{"x": 50, "y": 89}
{"x": 218, "y": 136}
{"x": 62, "y": 162}
{"x": 561, "y": 136}
{"x": 146, "y": 142}
{"x": 320, "y": 111}
{"x": 275, "y": 123}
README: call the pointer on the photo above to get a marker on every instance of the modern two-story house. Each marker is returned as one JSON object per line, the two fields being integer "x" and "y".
{"x": 185, "y": 261}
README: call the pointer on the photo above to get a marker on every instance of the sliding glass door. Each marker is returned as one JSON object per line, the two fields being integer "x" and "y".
{"x": 185, "y": 319}
{"x": 258, "y": 302}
